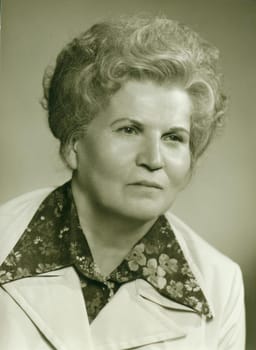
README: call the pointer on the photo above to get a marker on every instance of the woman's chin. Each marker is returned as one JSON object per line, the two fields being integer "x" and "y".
{"x": 145, "y": 212}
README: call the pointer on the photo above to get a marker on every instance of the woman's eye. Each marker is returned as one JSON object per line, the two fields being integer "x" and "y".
{"x": 173, "y": 138}
{"x": 130, "y": 130}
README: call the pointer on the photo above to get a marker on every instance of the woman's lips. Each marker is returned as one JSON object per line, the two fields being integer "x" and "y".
{"x": 146, "y": 183}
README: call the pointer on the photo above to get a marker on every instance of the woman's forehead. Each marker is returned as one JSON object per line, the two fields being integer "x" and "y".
{"x": 149, "y": 102}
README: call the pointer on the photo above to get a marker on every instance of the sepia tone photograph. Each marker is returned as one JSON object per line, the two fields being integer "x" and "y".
{"x": 127, "y": 182}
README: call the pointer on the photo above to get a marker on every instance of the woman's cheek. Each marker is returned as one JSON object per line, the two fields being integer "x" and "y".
{"x": 178, "y": 169}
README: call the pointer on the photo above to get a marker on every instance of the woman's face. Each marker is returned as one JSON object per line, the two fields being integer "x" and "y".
{"x": 135, "y": 156}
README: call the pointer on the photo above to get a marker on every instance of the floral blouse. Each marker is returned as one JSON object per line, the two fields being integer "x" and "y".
{"x": 54, "y": 239}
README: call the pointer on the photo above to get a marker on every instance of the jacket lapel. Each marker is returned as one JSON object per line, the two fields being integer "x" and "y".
{"x": 135, "y": 317}
{"x": 54, "y": 303}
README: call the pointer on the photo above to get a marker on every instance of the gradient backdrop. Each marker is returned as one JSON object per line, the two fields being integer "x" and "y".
{"x": 220, "y": 201}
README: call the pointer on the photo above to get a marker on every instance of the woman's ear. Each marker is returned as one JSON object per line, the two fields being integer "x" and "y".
{"x": 71, "y": 155}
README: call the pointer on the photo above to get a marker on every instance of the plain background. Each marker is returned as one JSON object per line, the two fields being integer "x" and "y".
{"x": 220, "y": 201}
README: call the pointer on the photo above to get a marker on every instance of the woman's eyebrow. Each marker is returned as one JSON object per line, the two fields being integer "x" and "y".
{"x": 179, "y": 129}
{"x": 130, "y": 120}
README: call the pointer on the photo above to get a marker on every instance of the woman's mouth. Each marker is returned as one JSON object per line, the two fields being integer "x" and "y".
{"x": 146, "y": 183}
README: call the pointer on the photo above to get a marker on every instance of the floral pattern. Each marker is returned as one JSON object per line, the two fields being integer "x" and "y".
{"x": 175, "y": 289}
{"x": 155, "y": 274}
{"x": 54, "y": 239}
{"x": 136, "y": 257}
{"x": 168, "y": 264}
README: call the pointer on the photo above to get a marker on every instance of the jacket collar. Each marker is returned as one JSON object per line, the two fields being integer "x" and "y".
{"x": 135, "y": 320}
{"x": 54, "y": 303}
{"x": 136, "y": 316}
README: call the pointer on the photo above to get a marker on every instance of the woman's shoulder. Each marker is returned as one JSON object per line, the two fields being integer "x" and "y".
{"x": 195, "y": 245}
{"x": 213, "y": 269}
{"x": 15, "y": 215}
{"x": 211, "y": 265}
{"x": 24, "y": 201}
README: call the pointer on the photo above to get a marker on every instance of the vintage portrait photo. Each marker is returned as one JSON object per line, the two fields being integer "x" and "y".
{"x": 127, "y": 186}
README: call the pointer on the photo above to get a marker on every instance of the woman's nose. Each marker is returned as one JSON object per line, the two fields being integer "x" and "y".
{"x": 150, "y": 155}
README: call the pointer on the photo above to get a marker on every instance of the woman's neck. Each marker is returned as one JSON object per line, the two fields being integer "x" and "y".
{"x": 110, "y": 235}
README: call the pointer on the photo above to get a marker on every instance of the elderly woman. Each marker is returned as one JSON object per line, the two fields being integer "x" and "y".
{"x": 100, "y": 262}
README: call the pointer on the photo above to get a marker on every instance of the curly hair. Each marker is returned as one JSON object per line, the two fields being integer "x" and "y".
{"x": 94, "y": 65}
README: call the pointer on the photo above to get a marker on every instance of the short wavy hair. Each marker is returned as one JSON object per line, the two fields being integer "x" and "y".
{"x": 95, "y": 64}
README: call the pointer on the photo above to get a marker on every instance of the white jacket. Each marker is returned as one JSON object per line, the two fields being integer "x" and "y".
{"x": 48, "y": 311}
